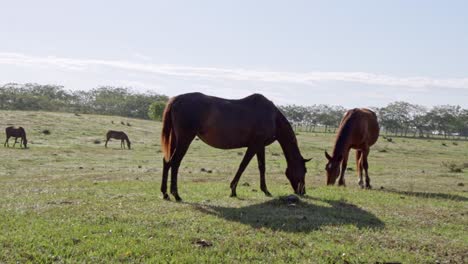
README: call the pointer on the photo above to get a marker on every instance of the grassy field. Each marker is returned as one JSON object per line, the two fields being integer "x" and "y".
{"x": 68, "y": 199}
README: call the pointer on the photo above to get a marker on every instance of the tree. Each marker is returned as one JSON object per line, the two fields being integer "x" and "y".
{"x": 419, "y": 119}
{"x": 396, "y": 117}
{"x": 294, "y": 113}
{"x": 445, "y": 119}
{"x": 330, "y": 116}
{"x": 464, "y": 123}
{"x": 156, "y": 110}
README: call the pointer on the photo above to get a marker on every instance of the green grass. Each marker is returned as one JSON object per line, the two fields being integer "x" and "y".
{"x": 67, "y": 199}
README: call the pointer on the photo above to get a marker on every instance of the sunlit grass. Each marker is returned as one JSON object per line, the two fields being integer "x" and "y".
{"x": 68, "y": 199}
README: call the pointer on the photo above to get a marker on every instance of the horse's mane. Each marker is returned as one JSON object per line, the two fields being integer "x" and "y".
{"x": 286, "y": 137}
{"x": 344, "y": 131}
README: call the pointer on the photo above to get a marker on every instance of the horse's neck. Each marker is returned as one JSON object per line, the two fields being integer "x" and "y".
{"x": 341, "y": 143}
{"x": 287, "y": 140}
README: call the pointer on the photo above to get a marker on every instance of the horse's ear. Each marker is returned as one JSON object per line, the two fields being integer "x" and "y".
{"x": 306, "y": 160}
{"x": 327, "y": 156}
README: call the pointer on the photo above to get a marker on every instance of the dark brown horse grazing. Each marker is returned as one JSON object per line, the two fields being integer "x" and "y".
{"x": 359, "y": 129}
{"x": 253, "y": 122}
{"x": 118, "y": 135}
{"x": 16, "y": 133}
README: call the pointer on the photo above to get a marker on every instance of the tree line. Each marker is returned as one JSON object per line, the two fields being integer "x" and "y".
{"x": 104, "y": 100}
{"x": 398, "y": 118}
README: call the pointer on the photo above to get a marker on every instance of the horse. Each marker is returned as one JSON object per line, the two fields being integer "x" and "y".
{"x": 359, "y": 130}
{"x": 118, "y": 135}
{"x": 16, "y": 133}
{"x": 253, "y": 122}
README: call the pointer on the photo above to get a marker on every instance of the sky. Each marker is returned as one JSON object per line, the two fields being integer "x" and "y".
{"x": 349, "y": 53}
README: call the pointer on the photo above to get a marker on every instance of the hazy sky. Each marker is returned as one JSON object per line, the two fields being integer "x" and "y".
{"x": 350, "y": 53}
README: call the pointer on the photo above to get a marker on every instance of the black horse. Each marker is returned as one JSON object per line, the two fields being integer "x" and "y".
{"x": 16, "y": 133}
{"x": 253, "y": 122}
{"x": 118, "y": 135}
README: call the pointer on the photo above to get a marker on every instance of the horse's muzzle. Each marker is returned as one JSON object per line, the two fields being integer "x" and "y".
{"x": 300, "y": 189}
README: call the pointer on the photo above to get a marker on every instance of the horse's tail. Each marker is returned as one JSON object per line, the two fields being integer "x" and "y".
{"x": 167, "y": 134}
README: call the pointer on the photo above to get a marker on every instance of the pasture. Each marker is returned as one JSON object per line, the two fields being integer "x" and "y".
{"x": 69, "y": 199}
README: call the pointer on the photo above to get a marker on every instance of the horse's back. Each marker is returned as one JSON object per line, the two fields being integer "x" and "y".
{"x": 224, "y": 123}
{"x": 15, "y": 131}
{"x": 197, "y": 107}
{"x": 364, "y": 125}
{"x": 372, "y": 125}
{"x": 197, "y": 99}
{"x": 116, "y": 134}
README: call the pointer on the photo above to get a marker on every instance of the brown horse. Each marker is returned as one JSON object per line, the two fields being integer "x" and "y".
{"x": 253, "y": 122}
{"x": 359, "y": 129}
{"x": 16, "y": 133}
{"x": 118, "y": 135}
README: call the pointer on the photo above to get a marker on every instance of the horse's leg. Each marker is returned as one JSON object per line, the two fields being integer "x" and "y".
{"x": 359, "y": 167}
{"x": 107, "y": 140}
{"x": 344, "y": 164}
{"x": 182, "y": 146}
{"x": 261, "y": 168}
{"x": 245, "y": 161}
{"x": 166, "y": 167}
{"x": 365, "y": 154}
{"x": 16, "y": 141}
{"x": 6, "y": 142}
{"x": 122, "y": 145}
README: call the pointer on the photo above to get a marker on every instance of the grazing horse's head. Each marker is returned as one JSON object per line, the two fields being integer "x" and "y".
{"x": 296, "y": 176}
{"x": 332, "y": 168}
{"x": 129, "y": 144}
{"x": 25, "y": 142}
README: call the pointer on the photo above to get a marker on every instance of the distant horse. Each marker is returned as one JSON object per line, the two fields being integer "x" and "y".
{"x": 16, "y": 133}
{"x": 118, "y": 135}
{"x": 359, "y": 129}
{"x": 253, "y": 122}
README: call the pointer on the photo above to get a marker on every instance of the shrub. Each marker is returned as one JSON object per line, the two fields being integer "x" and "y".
{"x": 156, "y": 110}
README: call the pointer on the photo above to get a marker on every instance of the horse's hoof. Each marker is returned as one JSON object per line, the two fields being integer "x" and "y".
{"x": 233, "y": 194}
{"x": 368, "y": 187}
{"x": 176, "y": 196}
{"x": 166, "y": 197}
{"x": 268, "y": 194}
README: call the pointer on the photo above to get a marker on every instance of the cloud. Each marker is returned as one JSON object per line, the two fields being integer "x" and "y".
{"x": 142, "y": 57}
{"x": 227, "y": 74}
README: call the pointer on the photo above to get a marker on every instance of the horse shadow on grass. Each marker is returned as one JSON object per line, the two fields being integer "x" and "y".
{"x": 428, "y": 195}
{"x": 305, "y": 216}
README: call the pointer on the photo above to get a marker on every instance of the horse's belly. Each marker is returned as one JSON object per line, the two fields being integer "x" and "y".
{"x": 231, "y": 131}
{"x": 225, "y": 139}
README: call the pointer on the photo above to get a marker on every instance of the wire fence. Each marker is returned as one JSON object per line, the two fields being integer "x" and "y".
{"x": 408, "y": 133}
